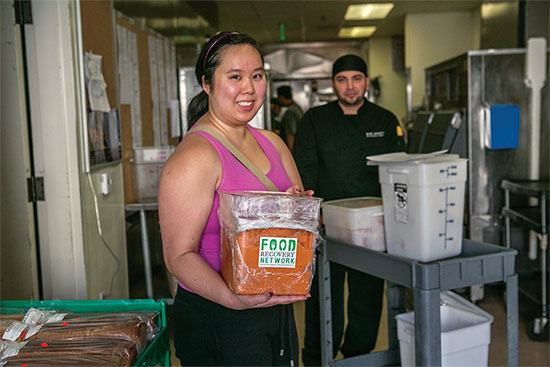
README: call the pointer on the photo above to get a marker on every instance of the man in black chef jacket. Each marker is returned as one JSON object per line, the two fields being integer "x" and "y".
{"x": 330, "y": 150}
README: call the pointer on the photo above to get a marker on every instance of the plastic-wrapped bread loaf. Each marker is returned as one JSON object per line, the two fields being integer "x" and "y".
{"x": 87, "y": 352}
{"x": 137, "y": 327}
{"x": 129, "y": 328}
{"x": 112, "y": 326}
{"x": 149, "y": 318}
{"x": 268, "y": 241}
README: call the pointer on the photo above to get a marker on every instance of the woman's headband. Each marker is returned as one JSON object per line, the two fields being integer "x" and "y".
{"x": 212, "y": 45}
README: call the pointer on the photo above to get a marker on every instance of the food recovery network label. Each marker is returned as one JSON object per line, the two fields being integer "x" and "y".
{"x": 277, "y": 252}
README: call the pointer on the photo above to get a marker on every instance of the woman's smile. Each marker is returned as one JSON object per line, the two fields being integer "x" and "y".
{"x": 246, "y": 105}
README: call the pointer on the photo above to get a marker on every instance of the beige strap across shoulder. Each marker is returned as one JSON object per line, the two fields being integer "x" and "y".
{"x": 238, "y": 155}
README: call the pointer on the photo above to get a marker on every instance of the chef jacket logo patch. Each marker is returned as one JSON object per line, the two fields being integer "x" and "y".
{"x": 374, "y": 134}
{"x": 277, "y": 252}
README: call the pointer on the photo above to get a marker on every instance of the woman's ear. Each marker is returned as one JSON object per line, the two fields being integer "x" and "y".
{"x": 205, "y": 86}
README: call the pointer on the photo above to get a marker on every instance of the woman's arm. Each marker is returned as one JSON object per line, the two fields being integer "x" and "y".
{"x": 186, "y": 193}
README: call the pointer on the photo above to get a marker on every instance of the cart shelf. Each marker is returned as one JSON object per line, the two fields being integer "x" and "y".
{"x": 478, "y": 263}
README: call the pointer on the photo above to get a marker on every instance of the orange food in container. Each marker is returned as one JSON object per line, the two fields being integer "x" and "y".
{"x": 268, "y": 241}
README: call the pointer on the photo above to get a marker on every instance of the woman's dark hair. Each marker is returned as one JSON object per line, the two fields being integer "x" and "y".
{"x": 207, "y": 63}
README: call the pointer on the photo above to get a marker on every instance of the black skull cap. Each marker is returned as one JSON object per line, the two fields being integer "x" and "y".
{"x": 349, "y": 62}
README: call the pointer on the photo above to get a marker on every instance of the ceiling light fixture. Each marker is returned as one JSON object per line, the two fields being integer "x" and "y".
{"x": 368, "y": 11}
{"x": 356, "y": 32}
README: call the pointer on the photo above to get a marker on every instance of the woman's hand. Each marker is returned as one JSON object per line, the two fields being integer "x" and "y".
{"x": 297, "y": 190}
{"x": 267, "y": 300}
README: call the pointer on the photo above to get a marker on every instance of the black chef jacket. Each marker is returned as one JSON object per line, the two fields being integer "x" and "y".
{"x": 330, "y": 149}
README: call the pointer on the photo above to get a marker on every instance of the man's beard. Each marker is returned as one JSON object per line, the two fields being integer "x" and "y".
{"x": 357, "y": 101}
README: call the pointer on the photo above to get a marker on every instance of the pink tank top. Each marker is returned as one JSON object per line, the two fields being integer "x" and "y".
{"x": 236, "y": 177}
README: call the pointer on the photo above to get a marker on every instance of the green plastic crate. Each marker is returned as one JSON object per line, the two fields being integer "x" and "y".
{"x": 158, "y": 350}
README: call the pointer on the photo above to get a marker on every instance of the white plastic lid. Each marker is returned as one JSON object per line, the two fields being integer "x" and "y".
{"x": 401, "y": 158}
{"x": 355, "y": 203}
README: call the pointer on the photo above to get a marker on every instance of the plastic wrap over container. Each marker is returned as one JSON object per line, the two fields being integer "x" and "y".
{"x": 268, "y": 241}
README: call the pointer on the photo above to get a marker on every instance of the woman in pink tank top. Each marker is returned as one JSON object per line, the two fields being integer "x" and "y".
{"x": 212, "y": 325}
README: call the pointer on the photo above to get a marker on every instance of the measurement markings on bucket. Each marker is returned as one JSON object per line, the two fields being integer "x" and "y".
{"x": 445, "y": 212}
{"x": 448, "y": 171}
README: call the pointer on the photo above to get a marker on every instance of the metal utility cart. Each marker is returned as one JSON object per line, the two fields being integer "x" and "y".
{"x": 479, "y": 263}
{"x": 534, "y": 218}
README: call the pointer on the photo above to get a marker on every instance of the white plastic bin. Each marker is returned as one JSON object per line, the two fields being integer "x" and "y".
{"x": 359, "y": 221}
{"x": 465, "y": 333}
{"x": 153, "y": 154}
{"x": 146, "y": 180}
{"x": 423, "y": 204}
{"x": 148, "y": 162}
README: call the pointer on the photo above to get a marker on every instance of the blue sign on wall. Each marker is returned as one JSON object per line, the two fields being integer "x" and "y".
{"x": 503, "y": 127}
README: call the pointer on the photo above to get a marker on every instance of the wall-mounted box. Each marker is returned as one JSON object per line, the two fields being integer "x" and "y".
{"x": 501, "y": 126}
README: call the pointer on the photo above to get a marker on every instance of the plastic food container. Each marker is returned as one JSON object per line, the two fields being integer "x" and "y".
{"x": 465, "y": 333}
{"x": 148, "y": 162}
{"x": 359, "y": 221}
{"x": 268, "y": 241}
{"x": 423, "y": 204}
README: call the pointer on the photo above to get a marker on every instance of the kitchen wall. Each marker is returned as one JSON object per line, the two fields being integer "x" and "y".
{"x": 431, "y": 38}
{"x": 392, "y": 82}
